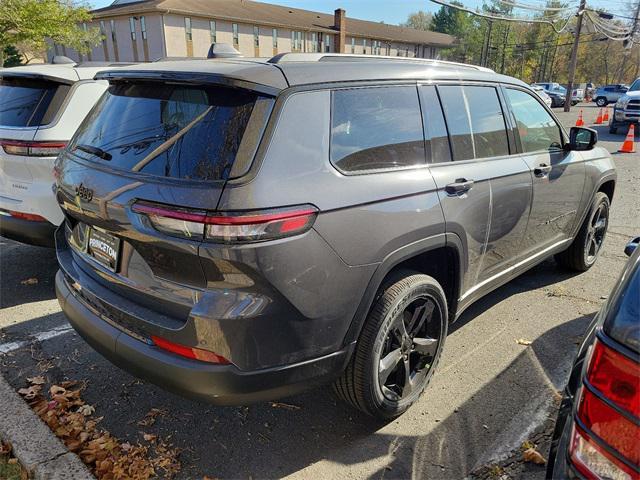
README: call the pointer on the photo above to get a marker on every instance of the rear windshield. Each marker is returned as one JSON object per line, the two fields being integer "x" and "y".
{"x": 171, "y": 131}
{"x": 25, "y": 102}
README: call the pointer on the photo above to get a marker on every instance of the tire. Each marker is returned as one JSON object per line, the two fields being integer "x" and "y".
{"x": 584, "y": 251}
{"x": 410, "y": 299}
{"x": 601, "y": 102}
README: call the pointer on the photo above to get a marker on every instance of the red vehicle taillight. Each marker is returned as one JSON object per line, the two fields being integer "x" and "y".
{"x": 608, "y": 408}
{"x": 189, "y": 352}
{"x": 32, "y": 217}
{"x": 229, "y": 227}
{"x": 32, "y": 149}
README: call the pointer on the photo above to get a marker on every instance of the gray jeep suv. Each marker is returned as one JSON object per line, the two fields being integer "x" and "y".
{"x": 239, "y": 230}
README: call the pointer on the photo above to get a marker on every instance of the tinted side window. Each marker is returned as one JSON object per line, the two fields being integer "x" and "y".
{"x": 435, "y": 129}
{"x": 24, "y": 102}
{"x": 376, "y": 128}
{"x": 475, "y": 121}
{"x": 537, "y": 129}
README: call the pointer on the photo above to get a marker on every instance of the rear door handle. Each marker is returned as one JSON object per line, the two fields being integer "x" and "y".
{"x": 460, "y": 186}
{"x": 542, "y": 170}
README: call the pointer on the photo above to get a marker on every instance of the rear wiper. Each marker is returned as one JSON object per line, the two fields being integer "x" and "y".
{"x": 98, "y": 152}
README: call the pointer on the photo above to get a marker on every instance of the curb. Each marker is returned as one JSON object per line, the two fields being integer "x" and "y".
{"x": 34, "y": 445}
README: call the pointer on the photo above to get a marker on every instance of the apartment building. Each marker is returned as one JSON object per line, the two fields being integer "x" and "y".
{"x": 146, "y": 30}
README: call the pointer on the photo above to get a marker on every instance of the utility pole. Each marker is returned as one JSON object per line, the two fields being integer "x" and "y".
{"x": 574, "y": 56}
{"x": 504, "y": 46}
{"x": 629, "y": 43}
{"x": 485, "y": 47}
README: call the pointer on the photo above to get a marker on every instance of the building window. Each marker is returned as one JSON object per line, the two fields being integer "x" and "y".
{"x": 388, "y": 49}
{"x": 416, "y": 51}
{"x": 212, "y": 30}
{"x": 314, "y": 42}
{"x": 132, "y": 26}
{"x": 236, "y": 38}
{"x": 406, "y": 52}
{"x": 274, "y": 36}
{"x": 327, "y": 43}
{"x": 143, "y": 28}
{"x": 113, "y": 30}
{"x": 256, "y": 36}
{"x": 296, "y": 40}
{"x": 353, "y": 45}
{"x": 187, "y": 29}
{"x": 364, "y": 46}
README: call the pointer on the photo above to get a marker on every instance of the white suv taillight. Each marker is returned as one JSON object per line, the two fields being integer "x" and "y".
{"x": 229, "y": 227}
{"x": 32, "y": 149}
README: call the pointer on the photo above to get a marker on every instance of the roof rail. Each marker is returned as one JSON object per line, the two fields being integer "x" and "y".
{"x": 351, "y": 57}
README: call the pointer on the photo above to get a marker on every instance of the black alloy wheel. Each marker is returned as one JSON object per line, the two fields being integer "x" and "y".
{"x": 399, "y": 346}
{"x": 410, "y": 348}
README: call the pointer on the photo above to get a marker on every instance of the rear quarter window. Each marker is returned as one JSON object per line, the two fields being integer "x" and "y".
{"x": 26, "y": 102}
{"x": 376, "y": 128}
{"x": 176, "y": 131}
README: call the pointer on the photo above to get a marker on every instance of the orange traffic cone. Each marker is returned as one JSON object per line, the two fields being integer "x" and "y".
{"x": 599, "y": 119}
{"x": 580, "y": 122}
{"x": 629, "y": 145}
{"x": 605, "y": 118}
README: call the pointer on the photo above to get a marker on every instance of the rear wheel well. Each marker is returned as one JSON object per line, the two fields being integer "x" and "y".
{"x": 608, "y": 188}
{"x": 441, "y": 264}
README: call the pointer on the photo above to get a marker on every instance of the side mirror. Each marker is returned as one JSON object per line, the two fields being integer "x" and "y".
{"x": 581, "y": 138}
{"x": 631, "y": 246}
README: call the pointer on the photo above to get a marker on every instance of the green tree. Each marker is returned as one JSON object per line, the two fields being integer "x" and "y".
{"x": 419, "y": 20}
{"x": 28, "y": 24}
{"x": 12, "y": 57}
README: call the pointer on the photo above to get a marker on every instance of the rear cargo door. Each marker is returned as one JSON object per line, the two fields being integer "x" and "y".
{"x": 170, "y": 148}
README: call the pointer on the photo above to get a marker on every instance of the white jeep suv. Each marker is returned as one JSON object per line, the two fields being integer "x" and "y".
{"x": 41, "y": 106}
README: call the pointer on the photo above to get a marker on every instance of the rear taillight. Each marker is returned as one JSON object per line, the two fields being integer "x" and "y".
{"x": 605, "y": 442}
{"x": 32, "y": 217}
{"x": 32, "y": 149}
{"x": 229, "y": 227}
{"x": 189, "y": 352}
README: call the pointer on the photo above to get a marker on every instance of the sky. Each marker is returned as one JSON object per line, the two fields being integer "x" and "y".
{"x": 393, "y": 11}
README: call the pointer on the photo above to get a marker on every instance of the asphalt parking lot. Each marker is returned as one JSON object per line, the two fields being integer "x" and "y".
{"x": 489, "y": 395}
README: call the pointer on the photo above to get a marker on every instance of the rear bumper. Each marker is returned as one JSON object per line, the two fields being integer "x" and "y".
{"x": 217, "y": 384}
{"x": 26, "y": 231}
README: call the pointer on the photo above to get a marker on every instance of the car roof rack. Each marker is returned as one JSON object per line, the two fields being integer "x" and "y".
{"x": 351, "y": 57}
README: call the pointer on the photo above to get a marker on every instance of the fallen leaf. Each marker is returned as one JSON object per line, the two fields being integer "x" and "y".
{"x": 533, "y": 456}
{"x": 39, "y": 380}
{"x": 57, "y": 390}
{"x": 86, "y": 410}
{"x": 522, "y": 341}
{"x": 149, "y": 437}
{"x": 286, "y": 406}
{"x": 30, "y": 281}
{"x": 31, "y": 392}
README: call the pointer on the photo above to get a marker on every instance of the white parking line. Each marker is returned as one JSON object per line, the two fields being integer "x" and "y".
{"x": 40, "y": 337}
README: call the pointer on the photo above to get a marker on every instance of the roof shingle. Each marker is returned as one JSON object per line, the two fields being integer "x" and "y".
{"x": 247, "y": 11}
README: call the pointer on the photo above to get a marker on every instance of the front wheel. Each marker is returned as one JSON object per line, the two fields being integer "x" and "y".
{"x": 398, "y": 349}
{"x": 601, "y": 101}
{"x": 583, "y": 252}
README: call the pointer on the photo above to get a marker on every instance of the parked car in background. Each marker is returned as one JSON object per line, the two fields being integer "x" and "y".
{"x": 240, "y": 231}
{"x": 543, "y": 95}
{"x": 627, "y": 109}
{"x": 41, "y": 107}
{"x": 609, "y": 94}
{"x": 576, "y": 97}
{"x": 557, "y": 98}
{"x": 598, "y": 428}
